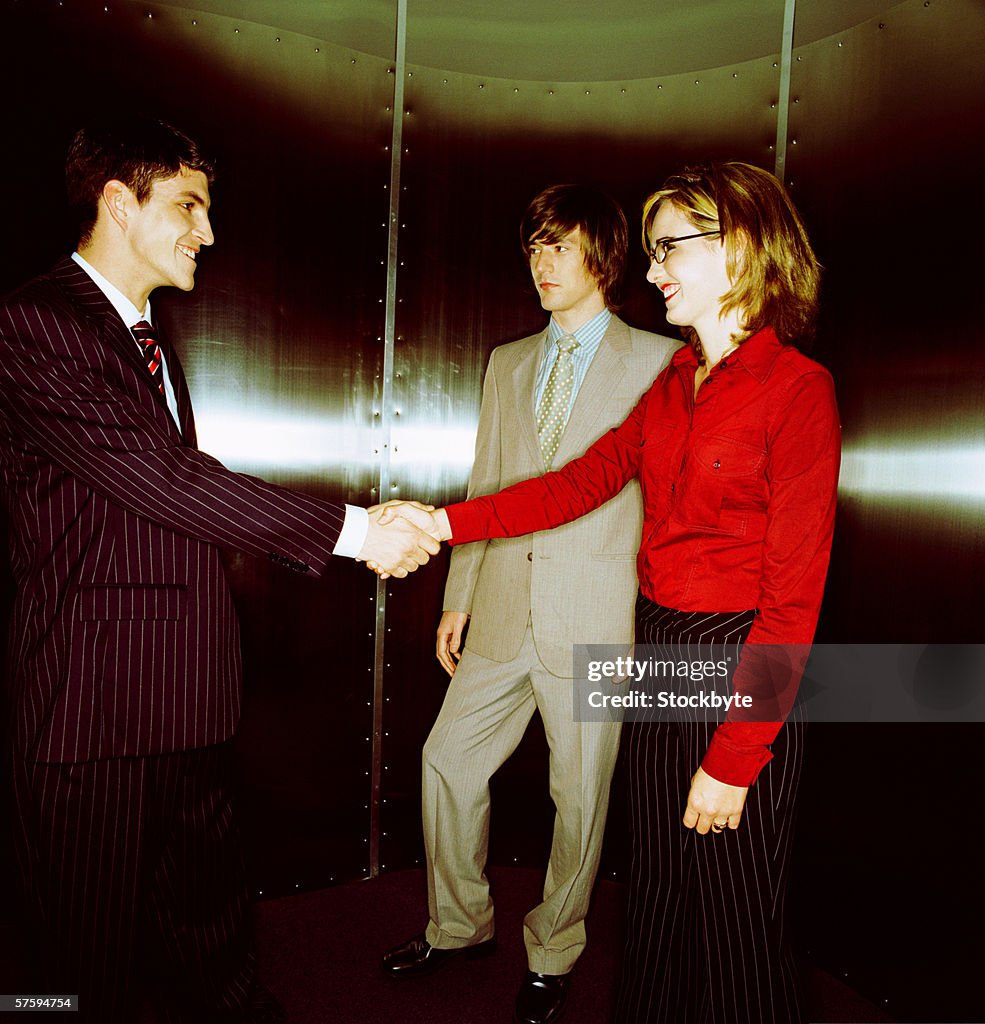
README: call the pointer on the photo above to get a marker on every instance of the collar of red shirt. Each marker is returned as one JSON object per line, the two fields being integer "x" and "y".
{"x": 756, "y": 354}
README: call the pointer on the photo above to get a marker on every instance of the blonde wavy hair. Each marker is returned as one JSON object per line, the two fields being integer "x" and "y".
{"x": 768, "y": 255}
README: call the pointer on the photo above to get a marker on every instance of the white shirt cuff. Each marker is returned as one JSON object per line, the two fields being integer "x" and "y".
{"x": 354, "y": 530}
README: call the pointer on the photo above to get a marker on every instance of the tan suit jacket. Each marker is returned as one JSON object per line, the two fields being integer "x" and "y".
{"x": 576, "y": 583}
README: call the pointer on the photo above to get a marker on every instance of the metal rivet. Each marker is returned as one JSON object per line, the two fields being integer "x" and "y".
{"x": 775, "y": 64}
{"x": 735, "y": 74}
{"x": 697, "y": 81}
{"x": 317, "y": 49}
{"x": 659, "y": 86}
{"x": 622, "y": 90}
{"x": 882, "y": 24}
{"x": 276, "y": 39}
{"x": 482, "y": 85}
{"x": 550, "y": 92}
{"x": 588, "y": 92}
{"x": 353, "y": 61}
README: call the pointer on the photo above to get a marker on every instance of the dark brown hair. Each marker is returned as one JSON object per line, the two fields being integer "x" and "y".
{"x": 136, "y": 151}
{"x": 560, "y": 209}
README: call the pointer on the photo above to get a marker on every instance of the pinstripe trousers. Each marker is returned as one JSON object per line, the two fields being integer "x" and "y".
{"x": 130, "y": 857}
{"x": 706, "y": 940}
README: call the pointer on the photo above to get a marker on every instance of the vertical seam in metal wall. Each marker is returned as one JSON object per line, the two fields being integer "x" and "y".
{"x": 386, "y": 420}
{"x": 783, "y": 101}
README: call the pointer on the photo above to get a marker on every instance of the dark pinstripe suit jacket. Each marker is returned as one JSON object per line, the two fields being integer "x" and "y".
{"x": 123, "y": 639}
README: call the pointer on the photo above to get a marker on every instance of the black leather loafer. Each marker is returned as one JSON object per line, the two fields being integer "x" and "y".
{"x": 541, "y": 998}
{"x": 417, "y": 956}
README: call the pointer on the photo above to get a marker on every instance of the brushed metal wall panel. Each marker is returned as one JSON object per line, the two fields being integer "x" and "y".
{"x": 887, "y": 130}
{"x": 888, "y": 121}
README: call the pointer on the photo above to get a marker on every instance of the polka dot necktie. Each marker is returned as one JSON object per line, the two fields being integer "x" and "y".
{"x": 147, "y": 340}
{"x": 552, "y": 414}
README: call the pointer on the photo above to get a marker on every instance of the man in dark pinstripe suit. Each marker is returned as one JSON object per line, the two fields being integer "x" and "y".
{"x": 124, "y": 664}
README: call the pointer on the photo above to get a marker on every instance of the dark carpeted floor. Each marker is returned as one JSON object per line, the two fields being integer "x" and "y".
{"x": 320, "y": 954}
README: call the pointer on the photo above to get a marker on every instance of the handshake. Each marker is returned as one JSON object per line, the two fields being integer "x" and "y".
{"x": 402, "y": 536}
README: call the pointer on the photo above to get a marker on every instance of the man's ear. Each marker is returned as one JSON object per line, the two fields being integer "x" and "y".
{"x": 118, "y": 201}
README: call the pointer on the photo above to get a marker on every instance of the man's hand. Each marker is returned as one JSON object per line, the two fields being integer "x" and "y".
{"x": 449, "y": 643}
{"x": 424, "y": 517}
{"x": 397, "y": 547}
{"x": 713, "y": 805}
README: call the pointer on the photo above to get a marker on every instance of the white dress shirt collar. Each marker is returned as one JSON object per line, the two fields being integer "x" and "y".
{"x": 128, "y": 312}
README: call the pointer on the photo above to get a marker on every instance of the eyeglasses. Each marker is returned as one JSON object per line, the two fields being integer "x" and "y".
{"x": 663, "y": 245}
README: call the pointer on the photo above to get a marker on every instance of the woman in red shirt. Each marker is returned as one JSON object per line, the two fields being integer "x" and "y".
{"x": 736, "y": 446}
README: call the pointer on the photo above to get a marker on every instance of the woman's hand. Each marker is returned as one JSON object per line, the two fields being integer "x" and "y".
{"x": 713, "y": 805}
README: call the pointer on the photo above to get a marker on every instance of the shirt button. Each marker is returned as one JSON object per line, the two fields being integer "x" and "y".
{"x": 673, "y": 487}
{"x": 717, "y": 464}
{"x": 530, "y": 556}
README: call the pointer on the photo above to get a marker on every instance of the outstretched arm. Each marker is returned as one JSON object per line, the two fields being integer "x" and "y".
{"x": 542, "y": 503}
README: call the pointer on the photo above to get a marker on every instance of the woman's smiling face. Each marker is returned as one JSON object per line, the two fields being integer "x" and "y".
{"x": 693, "y": 279}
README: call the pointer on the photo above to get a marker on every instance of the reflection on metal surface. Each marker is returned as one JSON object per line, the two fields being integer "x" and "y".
{"x": 448, "y": 445}
{"x": 281, "y": 438}
{"x": 385, "y": 447}
{"x": 957, "y": 474}
{"x": 783, "y": 100}
{"x": 278, "y": 438}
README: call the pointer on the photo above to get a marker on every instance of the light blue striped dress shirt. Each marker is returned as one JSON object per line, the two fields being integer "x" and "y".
{"x": 589, "y": 337}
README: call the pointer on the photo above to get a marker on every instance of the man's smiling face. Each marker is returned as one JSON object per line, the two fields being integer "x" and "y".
{"x": 166, "y": 232}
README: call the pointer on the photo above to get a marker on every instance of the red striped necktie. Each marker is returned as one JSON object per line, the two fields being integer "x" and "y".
{"x": 147, "y": 340}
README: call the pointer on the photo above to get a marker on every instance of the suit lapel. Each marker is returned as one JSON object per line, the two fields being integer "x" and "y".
{"x": 86, "y": 296}
{"x": 182, "y": 397}
{"x": 607, "y": 370}
{"x": 524, "y": 379}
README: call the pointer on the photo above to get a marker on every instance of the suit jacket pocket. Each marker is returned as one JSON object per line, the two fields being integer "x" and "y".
{"x": 110, "y": 601}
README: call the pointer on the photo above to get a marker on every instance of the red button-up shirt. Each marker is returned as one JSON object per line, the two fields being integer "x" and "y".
{"x": 739, "y": 488}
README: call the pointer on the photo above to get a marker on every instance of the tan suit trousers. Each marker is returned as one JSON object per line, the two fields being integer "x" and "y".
{"x": 485, "y": 713}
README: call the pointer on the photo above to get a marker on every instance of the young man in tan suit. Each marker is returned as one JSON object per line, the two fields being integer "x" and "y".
{"x": 545, "y": 399}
